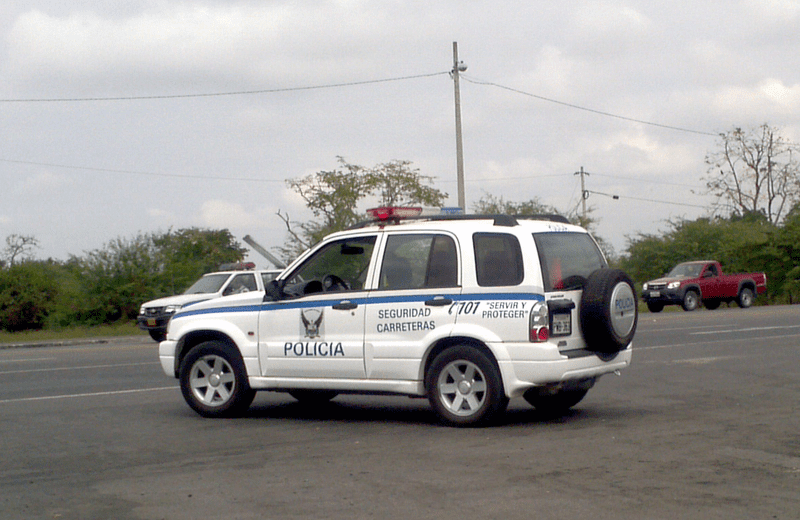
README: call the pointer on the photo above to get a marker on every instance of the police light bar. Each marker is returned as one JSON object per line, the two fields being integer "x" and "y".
{"x": 237, "y": 266}
{"x": 401, "y": 212}
{"x": 393, "y": 213}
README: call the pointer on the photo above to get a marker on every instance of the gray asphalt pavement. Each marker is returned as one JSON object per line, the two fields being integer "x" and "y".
{"x": 703, "y": 425}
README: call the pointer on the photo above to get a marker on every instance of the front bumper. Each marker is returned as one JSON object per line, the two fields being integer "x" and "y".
{"x": 166, "y": 355}
{"x": 157, "y": 322}
{"x": 665, "y": 296}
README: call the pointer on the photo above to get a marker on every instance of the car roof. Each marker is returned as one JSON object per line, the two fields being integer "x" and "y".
{"x": 461, "y": 222}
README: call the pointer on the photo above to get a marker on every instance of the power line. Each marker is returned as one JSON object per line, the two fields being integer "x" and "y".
{"x": 664, "y": 202}
{"x": 220, "y": 94}
{"x": 586, "y": 109}
{"x": 645, "y": 180}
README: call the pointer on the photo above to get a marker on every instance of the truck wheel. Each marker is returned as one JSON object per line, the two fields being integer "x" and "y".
{"x": 158, "y": 335}
{"x": 609, "y": 311}
{"x": 655, "y": 306}
{"x": 554, "y": 405}
{"x": 691, "y": 301}
{"x": 745, "y": 298}
{"x": 214, "y": 382}
{"x": 464, "y": 387}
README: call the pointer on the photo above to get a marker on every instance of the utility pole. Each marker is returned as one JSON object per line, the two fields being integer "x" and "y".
{"x": 584, "y": 193}
{"x": 459, "y": 67}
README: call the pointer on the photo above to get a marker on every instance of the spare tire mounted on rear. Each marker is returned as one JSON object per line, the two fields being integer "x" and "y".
{"x": 609, "y": 311}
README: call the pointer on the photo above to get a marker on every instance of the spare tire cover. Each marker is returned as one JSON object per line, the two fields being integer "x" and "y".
{"x": 609, "y": 311}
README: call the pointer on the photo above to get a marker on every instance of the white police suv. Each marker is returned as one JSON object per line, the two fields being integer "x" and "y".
{"x": 466, "y": 310}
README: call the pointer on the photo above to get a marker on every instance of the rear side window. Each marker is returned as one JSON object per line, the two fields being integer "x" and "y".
{"x": 417, "y": 261}
{"x": 567, "y": 259}
{"x": 498, "y": 259}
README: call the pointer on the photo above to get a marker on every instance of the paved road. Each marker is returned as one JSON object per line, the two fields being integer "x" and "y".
{"x": 703, "y": 425}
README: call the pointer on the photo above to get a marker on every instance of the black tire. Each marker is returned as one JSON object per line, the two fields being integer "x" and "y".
{"x": 655, "y": 306}
{"x": 214, "y": 382}
{"x": 464, "y": 387}
{"x": 313, "y": 397}
{"x": 554, "y": 405}
{"x": 712, "y": 304}
{"x": 158, "y": 335}
{"x": 609, "y": 311}
{"x": 745, "y": 298}
{"x": 691, "y": 301}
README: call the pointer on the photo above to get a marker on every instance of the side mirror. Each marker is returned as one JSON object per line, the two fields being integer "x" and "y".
{"x": 272, "y": 291}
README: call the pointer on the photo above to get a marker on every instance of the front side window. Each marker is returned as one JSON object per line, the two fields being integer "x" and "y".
{"x": 498, "y": 259}
{"x": 567, "y": 259}
{"x": 419, "y": 261}
{"x": 340, "y": 265}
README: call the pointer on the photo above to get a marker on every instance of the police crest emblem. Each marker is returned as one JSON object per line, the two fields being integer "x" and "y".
{"x": 312, "y": 322}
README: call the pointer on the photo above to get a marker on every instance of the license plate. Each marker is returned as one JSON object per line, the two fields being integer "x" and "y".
{"x": 151, "y": 322}
{"x": 562, "y": 325}
{"x": 655, "y": 294}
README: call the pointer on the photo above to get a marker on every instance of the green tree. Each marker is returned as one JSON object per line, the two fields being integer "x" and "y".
{"x": 739, "y": 244}
{"x": 781, "y": 259}
{"x": 335, "y": 198}
{"x": 27, "y": 294}
{"x": 754, "y": 172}
{"x": 18, "y": 247}
{"x": 116, "y": 279}
{"x": 492, "y": 205}
{"x": 185, "y": 255}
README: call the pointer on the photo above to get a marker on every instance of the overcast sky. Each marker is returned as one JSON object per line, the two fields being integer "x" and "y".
{"x": 633, "y": 91}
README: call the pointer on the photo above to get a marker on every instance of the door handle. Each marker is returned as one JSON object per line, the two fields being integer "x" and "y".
{"x": 439, "y": 301}
{"x": 345, "y": 306}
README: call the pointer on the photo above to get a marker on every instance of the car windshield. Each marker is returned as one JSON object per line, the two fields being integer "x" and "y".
{"x": 688, "y": 270}
{"x": 208, "y": 284}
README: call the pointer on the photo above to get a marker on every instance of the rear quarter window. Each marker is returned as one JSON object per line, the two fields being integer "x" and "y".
{"x": 567, "y": 259}
{"x": 498, "y": 259}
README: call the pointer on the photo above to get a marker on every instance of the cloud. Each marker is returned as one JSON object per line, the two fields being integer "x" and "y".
{"x": 189, "y": 44}
{"x": 767, "y": 100}
{"x": 225, "y": 214}
{"x": 43, "y": 182}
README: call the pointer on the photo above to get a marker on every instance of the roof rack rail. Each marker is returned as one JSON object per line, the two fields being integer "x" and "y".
{"x": 499, "y": 219}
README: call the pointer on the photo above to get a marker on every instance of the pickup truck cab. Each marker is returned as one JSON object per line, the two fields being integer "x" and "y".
{"x": 690, "y": 283}
{"x": 237, "y": 278}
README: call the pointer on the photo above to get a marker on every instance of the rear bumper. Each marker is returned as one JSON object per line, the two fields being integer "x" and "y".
{"x": 522, "y": 375}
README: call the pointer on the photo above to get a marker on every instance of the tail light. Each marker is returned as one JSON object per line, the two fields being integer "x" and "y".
{"x": 539, "y": 323}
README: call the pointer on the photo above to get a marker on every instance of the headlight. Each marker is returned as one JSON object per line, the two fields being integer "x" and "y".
{"x": 142, "y": 309}
{"x": 644, "y": 287}
{"x": 171, "y": 309}
{"x": 673, "y": 285}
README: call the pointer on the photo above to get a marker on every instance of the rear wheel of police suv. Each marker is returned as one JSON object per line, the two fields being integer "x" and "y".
{"x": 214, "y": 381}
{"x": 464, "y": 387}
{"x": 609, "y": 311}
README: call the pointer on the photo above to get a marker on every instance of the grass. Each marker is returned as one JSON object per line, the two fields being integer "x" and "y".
{"x": 70, "y": 333}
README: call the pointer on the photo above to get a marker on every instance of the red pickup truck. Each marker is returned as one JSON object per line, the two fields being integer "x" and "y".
{"x": 690, "y": 283}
